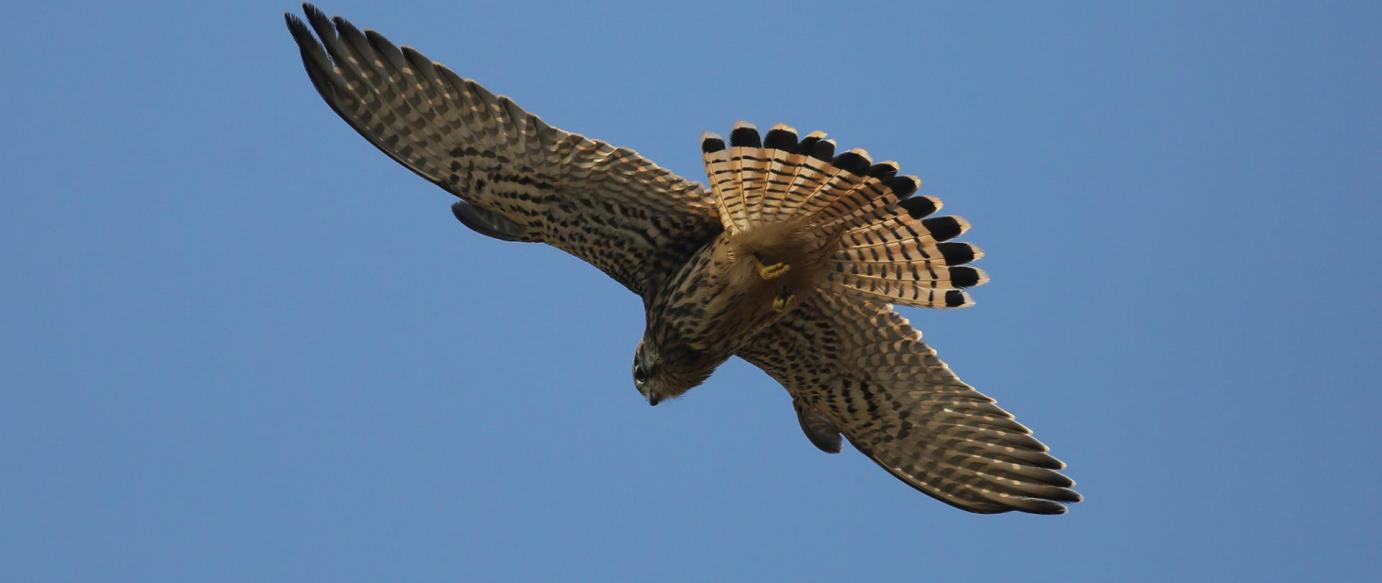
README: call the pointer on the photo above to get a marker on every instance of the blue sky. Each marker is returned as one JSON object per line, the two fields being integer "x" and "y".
{"x": 240, "y": 344}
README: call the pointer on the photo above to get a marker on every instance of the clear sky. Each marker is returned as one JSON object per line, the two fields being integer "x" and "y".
{"x": 237, "y": 343}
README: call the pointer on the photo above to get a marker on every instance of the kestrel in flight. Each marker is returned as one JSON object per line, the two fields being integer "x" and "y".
{"x": 791, "y": 260}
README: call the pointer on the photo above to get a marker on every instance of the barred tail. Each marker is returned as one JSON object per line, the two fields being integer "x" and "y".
{"x": 888, "y": 246}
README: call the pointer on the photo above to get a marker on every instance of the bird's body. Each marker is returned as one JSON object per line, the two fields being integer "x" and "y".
{"x": 715, "y": 304}
{"x": 790, "y": 260}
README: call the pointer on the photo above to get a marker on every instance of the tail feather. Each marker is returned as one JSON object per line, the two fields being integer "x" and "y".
{"x": 841, "y": 185}
{"x": 784, "y": 171}
{"x": 880, "y": 208}
{"x": 812, "y": 175}
{"x": 751, "y": 169}
{"x": 903, "y": 292}
{"x": 909, "y": 251}
{"x": 723, "y": 180}
{"x": 863, "y": 190}
{"x": 922, "y": 274}
{"x": 888, "y": 246}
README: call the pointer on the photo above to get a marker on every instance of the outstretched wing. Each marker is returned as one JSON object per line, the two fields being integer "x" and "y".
{"x": 856, "y": 367}
{"x": 519, "y": 178}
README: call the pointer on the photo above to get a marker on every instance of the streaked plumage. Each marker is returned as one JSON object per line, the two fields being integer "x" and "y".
{"x": 789, "y": 260}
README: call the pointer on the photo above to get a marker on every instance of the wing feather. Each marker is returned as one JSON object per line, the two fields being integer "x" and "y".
{"x": 864, "y": 371}
{"x": 608, "y": 206}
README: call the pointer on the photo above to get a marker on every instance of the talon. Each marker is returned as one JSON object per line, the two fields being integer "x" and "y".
{"x": 784, "y": 300}
{"x": 773, "y": 271}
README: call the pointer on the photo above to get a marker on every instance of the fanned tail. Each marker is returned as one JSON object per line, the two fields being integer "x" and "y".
{"x": 888, "y": 246}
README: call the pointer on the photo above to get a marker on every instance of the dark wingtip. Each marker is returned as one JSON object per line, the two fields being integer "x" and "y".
{"x": 319, "y": 22}
{"x": 312, "y": 12}
{"x": 1067, "y": 495}
{"x": 315, "y": 55}
{"x": 295, "y": 24}
{"x": 1047, "y": 507}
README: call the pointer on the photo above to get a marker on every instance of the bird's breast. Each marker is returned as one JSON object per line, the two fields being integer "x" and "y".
{"x": 729, "y": 291}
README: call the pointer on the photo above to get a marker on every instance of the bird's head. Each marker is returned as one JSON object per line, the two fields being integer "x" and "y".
{"x": 659, "y": 378}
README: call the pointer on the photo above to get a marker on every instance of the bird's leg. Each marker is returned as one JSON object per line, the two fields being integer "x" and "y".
{"x": 773, "y": 271}
{"x": 784, "y": 300}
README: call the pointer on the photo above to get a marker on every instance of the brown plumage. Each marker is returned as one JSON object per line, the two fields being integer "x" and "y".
{"x": 789, "y": 260}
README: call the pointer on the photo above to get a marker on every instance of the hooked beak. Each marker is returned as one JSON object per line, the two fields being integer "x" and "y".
{"x": 654, "y": 399}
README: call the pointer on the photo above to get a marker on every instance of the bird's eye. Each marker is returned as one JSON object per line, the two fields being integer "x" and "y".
{"x": 640, "y": 376}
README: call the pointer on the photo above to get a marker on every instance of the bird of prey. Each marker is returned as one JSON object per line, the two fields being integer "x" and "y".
{"x": 791, "y": 259}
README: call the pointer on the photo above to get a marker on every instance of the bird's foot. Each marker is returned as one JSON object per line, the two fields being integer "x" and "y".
{"x": 773, "y": 271}
{"x": 784, "y": 300}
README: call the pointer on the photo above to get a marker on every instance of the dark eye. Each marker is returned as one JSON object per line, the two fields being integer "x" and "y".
{"x": 640, "y": 376}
